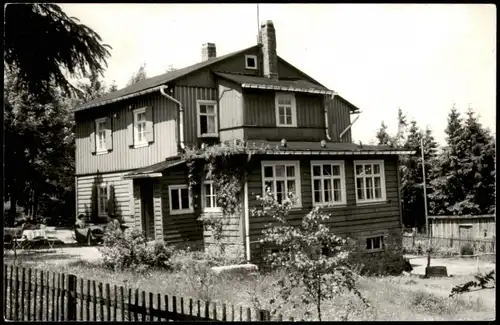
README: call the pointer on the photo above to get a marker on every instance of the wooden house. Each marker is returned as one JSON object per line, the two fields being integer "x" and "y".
{"x": 129, "y": 143}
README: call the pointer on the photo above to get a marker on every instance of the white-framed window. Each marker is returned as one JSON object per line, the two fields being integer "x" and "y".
{"x": 102, "y": 199}
{"x": 369, "y": 181}
{"x": 375, "y": 243}
{"x": 209, "y": 197}
{"x": 251, "y": 62}
{"x": 140, "y": 127}
{"x": 282, "y": 178}
{"x": 100, "y": 135}
{"x": 286, "y": 110}
{"x": 207, "y": 118}
{"x": 328, "y": 182}
{"x": 180, "y": 199}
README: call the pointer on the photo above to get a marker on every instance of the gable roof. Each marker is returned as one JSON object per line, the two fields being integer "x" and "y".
{"x": 152, "y": 82}
{"x": 298, "y": 85}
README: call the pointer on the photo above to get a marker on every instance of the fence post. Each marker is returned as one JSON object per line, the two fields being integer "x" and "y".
{"x": 71, "y": 301}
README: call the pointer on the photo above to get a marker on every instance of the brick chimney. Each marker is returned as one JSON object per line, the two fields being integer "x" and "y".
{"x": 269, "y": 55}
{"x": 208, "y": 51}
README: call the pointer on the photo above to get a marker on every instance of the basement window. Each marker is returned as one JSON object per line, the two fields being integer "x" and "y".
{"x": 374, "y": 243}
{"x": 251, "y": 62}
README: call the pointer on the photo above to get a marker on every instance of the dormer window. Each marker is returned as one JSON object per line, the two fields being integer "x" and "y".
{"x": 251, "y": 62}
{"x": 207, "y": 118}
{"x": 286, "y": 111}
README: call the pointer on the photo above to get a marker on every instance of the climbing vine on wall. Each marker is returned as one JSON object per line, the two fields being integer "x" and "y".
{"x": 224, "y": 164}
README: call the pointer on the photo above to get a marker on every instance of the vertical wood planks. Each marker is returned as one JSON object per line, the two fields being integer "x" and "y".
{"x": 129, "y": 304}
{"x": 249, "y": 315}
{"x": 23, "y": 289}
{"x": 136, "y": 299}
{"x": 47, "y": 296}
{"x": 16, "y": 301}
{"x": 115, "y": 302}
{"x": 11, "y": 291}
{"x": 143, "y": 309}
{"x": 28, "y": 295}
{"x": 166, "y": 305}
{"x": 190, "y": 306}
{"x": 94, "y": 305}
{"x": 71, "y": 298}
{"x": 108, "y": 303}
{"x": 224, "y": 316}
{"x": 182, "y": 305}
{"x": 81, "y": 298}
{"x": 198, "y": 302}
{"x": 151, "y": 307}
{"x": 207, "y": 310}
{"x": 158, "y": 304}
{"x": 42, "y": 292}
{"x": 87, "y": 302}
{"x": 215, "y": 311}
{"x": 101, "y": 305}
{"x": 122, "y": 303}
{"x": 57, "y": 296}
{"x": 232, "y": 313}
{"x": 53, "y": 293}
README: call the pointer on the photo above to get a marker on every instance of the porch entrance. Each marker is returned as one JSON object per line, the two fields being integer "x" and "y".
{"x": 147, "y": 212}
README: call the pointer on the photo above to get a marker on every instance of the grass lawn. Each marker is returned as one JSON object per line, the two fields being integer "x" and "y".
{"x": 391, "y": 298}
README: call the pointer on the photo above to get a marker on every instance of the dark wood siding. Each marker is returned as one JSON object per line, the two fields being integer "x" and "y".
{"x": 339, "y": 119}
{"x": 179, "y": 228}
{"x": 188, "y": 97}
{"x": 260, "y": 117}
{"x": 122, "y": 157}
{"x": 351, "y": 219}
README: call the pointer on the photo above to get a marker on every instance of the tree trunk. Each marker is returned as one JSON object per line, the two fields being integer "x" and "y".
{"x": 318, "y": 303}
{"x": 13, "y": 211}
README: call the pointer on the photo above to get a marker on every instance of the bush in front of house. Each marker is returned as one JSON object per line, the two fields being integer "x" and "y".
{"x": 130, "y": 249}
{"x": 467, "y": 249}
{"x": 390, "y": 261}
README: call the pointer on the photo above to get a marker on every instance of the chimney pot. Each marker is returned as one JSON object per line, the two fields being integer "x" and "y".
{"x": 208, "y": 51}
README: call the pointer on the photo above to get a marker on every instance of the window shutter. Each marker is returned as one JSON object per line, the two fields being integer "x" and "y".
{"x": 149, "y": 124}
{"x": 109, "y": 134}
{"x": 130, "y": 127}
{"x": 92, "y": 138}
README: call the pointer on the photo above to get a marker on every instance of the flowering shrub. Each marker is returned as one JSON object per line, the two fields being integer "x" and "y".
{"x": 130, "y": 249}
{"x": 313, "y": 258}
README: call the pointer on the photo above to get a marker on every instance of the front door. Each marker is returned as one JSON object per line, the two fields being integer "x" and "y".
{"x": 147, "y": 213}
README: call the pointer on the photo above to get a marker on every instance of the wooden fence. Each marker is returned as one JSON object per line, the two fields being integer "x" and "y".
{"x": 35, "y": 295}
{"x": 479, "y": 246}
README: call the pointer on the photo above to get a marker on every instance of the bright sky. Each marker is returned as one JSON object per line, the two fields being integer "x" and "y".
{"x": 422, "y": 58}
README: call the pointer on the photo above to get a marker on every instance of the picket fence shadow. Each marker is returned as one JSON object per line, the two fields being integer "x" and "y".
{"x": 35, "y": 295}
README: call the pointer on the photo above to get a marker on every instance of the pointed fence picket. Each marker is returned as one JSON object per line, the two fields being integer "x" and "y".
{"x": 35, "y": 295}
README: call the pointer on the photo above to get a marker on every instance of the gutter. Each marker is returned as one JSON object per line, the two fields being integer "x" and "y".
{"x": 162, "y": 89}
{"x": 246, "y": 217}
{"x": 109, "y": 101}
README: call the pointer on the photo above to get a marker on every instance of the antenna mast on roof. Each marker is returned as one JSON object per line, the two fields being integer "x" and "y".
{"x": 258, "y": 27}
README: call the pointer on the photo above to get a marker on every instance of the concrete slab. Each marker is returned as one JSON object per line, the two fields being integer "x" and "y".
{"x": 239, "y": 268}
{"x": 454, "y": 266}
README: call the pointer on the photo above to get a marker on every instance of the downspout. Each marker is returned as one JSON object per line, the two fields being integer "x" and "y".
{"x": 181, "y": 116}
{"x": 328, "y": 138}
{"x": 246, "y": 216}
